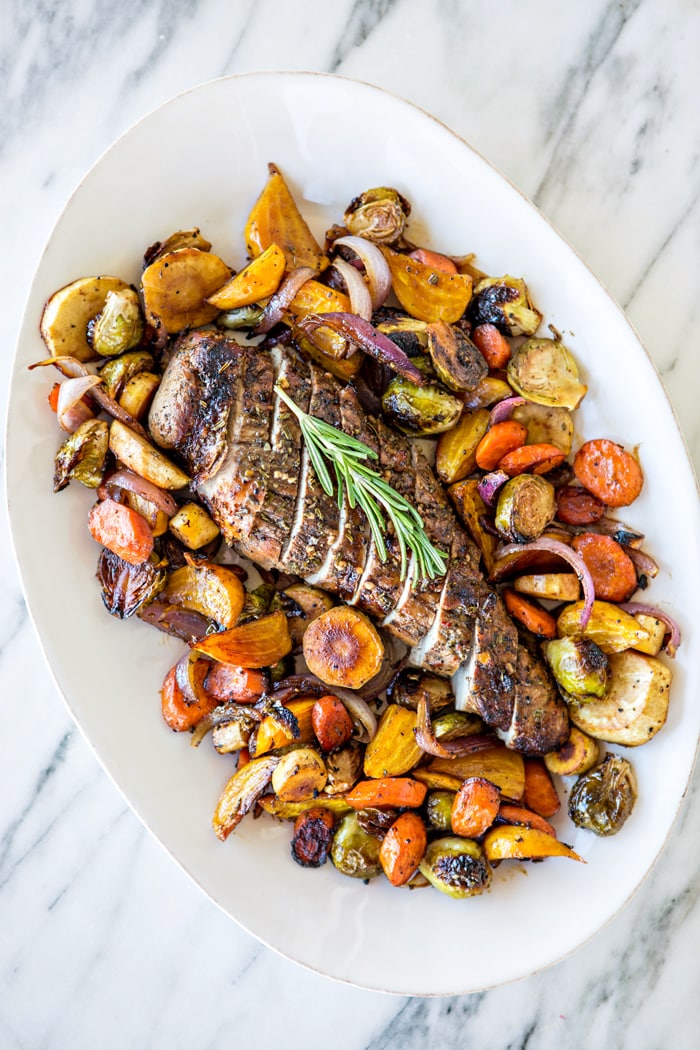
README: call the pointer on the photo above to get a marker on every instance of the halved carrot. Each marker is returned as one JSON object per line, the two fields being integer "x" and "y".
{"x": 177, "y": 713}
{"x": 498, "y": 441}
{"x": 578, "y": 506}
{"x": 228, "y": 683}
{"x": 493, "y": 345}
{"x": 121, "y": 530}
{"x": 331, "y": 722}
{"x": 434, "y": 259}
{"x": 531, "y": 615}
{"x": 540, "y": 793}
{"x": 609, "y": 471}
{"x": 532, "y": 459}
{"x": 475, "y": 807}
{"x": 612, "y": 569}
{"x": 525, "y": 818}
{"x": 52, "y": 396}
{"x": 402, "y": 848}
{"x": 387, "y": 791}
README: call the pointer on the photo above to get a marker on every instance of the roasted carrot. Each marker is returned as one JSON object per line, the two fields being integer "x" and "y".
{"x": 525, "y": 818}
{"x": 540, "y": 792}
{"x": 178, "y": 714}
{"x": 387, "y": 791}
{"x": 434, "y": 259}
{"x": 532, "y": 459}
{"x": 475, "y": 807}
{"x": 578, "y": 506}
{"x": 228, "y": 683}
{"x": 331, "y": 723}
{"x": 52, "y": 397}
{"x": 402, "y": 848}
{"x": 493, "y": 345}
{"x": 121, "y": 530}
{"x": 313, "y": 833}
{"x": 609, "y": 471}
{"x": 612, "y": 569}
{"x": 530, "y": 614}
{"x": 498, "y": 441}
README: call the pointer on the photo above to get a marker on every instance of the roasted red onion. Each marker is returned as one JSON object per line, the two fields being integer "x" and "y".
{"x": 360, "y": 299}
{"x": 490, "y": 485}
{"x": 650, "y": 610}
{"x": 284, "y": 295}
{"x": 376, "y": 267}
{"x": 456, "y": 748}
{"x": 126, "y": 480}
{"x": 567, "y": 554}
{"x": 72, "y": 410}
{"x": 73, "y": 368}
{"x": 642, "y": 561}
{"x": 174, "y": 620}
{"x": 367, "y": 338}
{"x": 185, "y": 676}
{"x": 504, "y": 408}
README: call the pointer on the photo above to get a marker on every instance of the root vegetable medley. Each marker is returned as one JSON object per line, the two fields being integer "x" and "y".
{"x": 428, "y": 766}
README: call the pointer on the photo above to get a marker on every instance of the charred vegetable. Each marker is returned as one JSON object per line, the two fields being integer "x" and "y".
{"x": 456, "y": 866}
{"x": 580, "y": 667}
{"x": 456, "y": 360}
{"x": 603, "y": 798}
{"x": 119, "y": 325}
{"x": 241, "y": 793}
{"x": 544, "y": 371}
{"x": 577, "y": 755}
{"x": 125, "y": 587}
{"x": 212, "y": 590}
{"x": 472, "y": 510}
{"x": 117, "y": 372}
{"x": 378, "y": 215}
{"x": 412, "y": 685}
{"x": 413, "y": 409}
{"x": 517, "y": 843}
{"x": 300, "y": 774}
{"x": 526, "y": 506}
{"x": 505, "y": 303}
{"x": 344, "y": 769}
{"x": 438, "y": 808}
{"x": 410, "y": 334}
{"x": 342, "y": 648}
{"x": 635, "y": 706}
{"x": 82, "y": 456}
{"x": 313, "y": 834}
{"x": 354, "y": 852}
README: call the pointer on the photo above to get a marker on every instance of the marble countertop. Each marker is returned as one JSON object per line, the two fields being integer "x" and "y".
{"x": 591, "y": 109}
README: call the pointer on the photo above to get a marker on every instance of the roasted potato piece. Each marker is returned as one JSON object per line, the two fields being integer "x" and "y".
{"x": 139, "y": 455}
{"x": 393, "y": 750}
{"x": 300, "y": 774}
{"x": 455, "y": 457}
{"x": 258, "y": 280}
{"x": 656, "y": 629}
{"x": 635, "y": 706}
{"x": 554, "y": 586}
{"x": 212, "y": 590}
{"x": 577, "y": 755}
{"x": 175, "y": 288}
{"x": 193, "y": 527}
{"x": 276, "y": 219}
{"x": 64, "y": 322}
{"x": 138, "y": 393}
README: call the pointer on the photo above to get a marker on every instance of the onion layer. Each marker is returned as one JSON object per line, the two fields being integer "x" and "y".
{"x": 503, "y": 410}
{"x": 456, "y": 748}
{"x": 376, "y": 267}
{"x": 72, "y": 409}
{"x": 366, "y": 337}
{"x": 650, "y": 610}
{"x": 490, "y": 485}
{"x": 126, "y": 480}
{"x": 360, "y": 298}
{"x": 575, "y": 561}
{"x": 284, "y": 295}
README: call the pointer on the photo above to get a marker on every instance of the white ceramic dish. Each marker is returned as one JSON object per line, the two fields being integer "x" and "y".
{"x": 201, "y": 160}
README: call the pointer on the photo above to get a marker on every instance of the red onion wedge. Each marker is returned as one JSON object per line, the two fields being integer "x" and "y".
{"x": 504, "y": 409}
{"x": 360, "y": 299}
{"x": 72, "y": 410}
{"x": 126, "y": 480}
{"x": 650, "y": 610}
{"x": 642, "y": 561}
{"x": 73, "y": 368}
{"x": 366, "y": 337}
{"x": 376, "y": 267}
{"x": 274, "y": 311}
{"x": 457, "y": 748}
{"x": 186, "y": 678}
{"x": 490, "y": 485}
{"x": 567, "y": 554}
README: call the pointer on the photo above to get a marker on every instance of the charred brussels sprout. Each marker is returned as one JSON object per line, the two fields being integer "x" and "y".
{"x": 257, "y": 603}
{"x": 410, "y": 334}
{"x": 526, "y": 506}
{"x": 456, "y": 866}
{"x": 117, "y": 372}
{"x": 354, "y": 852}
{"x": 119, "y": 327}
{"x": 379, "y": 215}
{"x": 544, "y": 371}
{"x": 603, "y": 798}
{"x": 414, "y": 409}
{"x": 411, "y": 685}
{"x": 438, "y": 809}
{"x": 82, "y": 455}
{"x": 456, "y": 724}
{"x": 580, "y": 666}
{"x": 241, "y": 317}
{"x": 344, "y": 768}
{"x": 505, "y": 303}
{"x": 126, "y": 588}
{"x": 456, "y": 360}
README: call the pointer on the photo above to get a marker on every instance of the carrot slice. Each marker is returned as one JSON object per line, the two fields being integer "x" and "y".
{"x": 531, "y": 615}
{"x": 532, "y": 459}
{"x": 613, "y": 571}
{"x": 387, "y": 791}
{"x": 498, "y": 441}
{"x": 609, "y": 472}
{"x": 475, "y": 807}
{"x": 403, "y": 847}
{"x": 52, "y": 396}
{"x": 578, "y": 506}
{"x": 540, "y": 792}
{"x": 177, "y": 713}
{"x": 240, "y": 685}
{"x": 525, "y": 818}
{"x": 121, "y": 530}
{"x": 331, "y": 723}
{"x": 433, "y": 259}
{"x": 492, "y": 344}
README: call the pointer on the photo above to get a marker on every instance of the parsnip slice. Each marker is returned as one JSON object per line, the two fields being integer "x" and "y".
{"x": 136, "y": 453}
{"x": 67, "y": 313}
{"x": 636, "y": 705}
{"x": 555, "y": 586}
{"x": 175, "y": 288}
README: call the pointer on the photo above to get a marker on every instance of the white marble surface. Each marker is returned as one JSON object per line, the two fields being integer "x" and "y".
{"x": 591, "y": 109}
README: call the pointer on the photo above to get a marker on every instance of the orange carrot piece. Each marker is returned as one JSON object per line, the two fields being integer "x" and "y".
{"x": 331, "y": 723}
{"x": 243, "y": 757}
{"x": 475, "y": 807}
{"x": 612, "y": 569}
{"x": 177, "y": 713}
{"x": 525, "y": 818}
{"x": 402, "y": 848}
{"x": 387, "y": 791}
{"x": 433, "y": 259}
{"x": 121, "y": 530}
{"x": 578, "y": 506}
{"x": 52, "y": 397}
{"x": 530, "y": 614}
{"x": 228, "y": 683}
{"x": 540, "y": 792}
{"x": 532, "y": 459}
{"x": 609, "y": 472}
{"x": 498, "y": 441}
{"x": 492, "y": 344}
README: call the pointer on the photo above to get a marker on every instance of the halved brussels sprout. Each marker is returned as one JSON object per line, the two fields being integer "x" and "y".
{"x": 546, "y": 425}
{"x": 456, "y": 866}
{"x": 526, "y": 506}
{"x": 117, "y": 372}
{"x": 411, "y": 685}
{"x": 119, "y": 326}
{"x": 457, "y": 361}
{"x": 378, "y": 215}
{"x": 354, "y": 852}
{"x": 410, "y": 334}
{"x": 579, "y": 666}
{"x": 505, "y": 303}
{"x": 344, "y": 768}
{"x": 544, "y": 371}
{"x": 438, "y": 808}
{"x": 456, "y": 724}
{"x": 242, "y": 317}
{"x": 126, "y": 588}
{"x": 603, "y": 798}
{"x": 413, "y": 409}
{"x": 82, "y": 455}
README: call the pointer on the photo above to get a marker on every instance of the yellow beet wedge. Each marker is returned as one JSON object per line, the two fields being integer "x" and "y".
{"x": 259, "y": 280}
{"x": 276, "y": 219}
{"x": 517, "y": 843}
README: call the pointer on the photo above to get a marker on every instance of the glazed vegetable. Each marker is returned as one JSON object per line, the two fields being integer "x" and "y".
{"x": 331, "y": 723}
{"x": 577, "y": 506}
{"x": 546, "y": 425}
{"x": 517, "y": 843}
{"x": 291, "y": 810}
{"x": 175, "y": 288}
{"x": 410, "y": 334}
{"x": 412, "y": 684}
{"x": 354, "y": 852}
{"x": 121, "y": 530}
{"x": 512, "y": 555}
{"x": 426, "y": 409}
{"x": 241, "y": 793}
{"x": 502, "y": 767}
{"x": 607, "y": 470}
{"x": 426, "y": 292}
{"x": 139, "y": 455}
{"x": 492, "y": 345}
{"x": 313, "y": 834}
{"x": 434, "y": 259}
{"x": 456, "y": 866}
{"x": 526, "y": 506}
{"x": 119, "y": 325}
{"x": 455, "y": 456}
{"x": 488, "y": 392}
{"x": 180, "y": 714}
{"x": 258, "y": 280}
{"x": 613, "y": 571}
{"x": 291, "y": 724}
{"x": 64, "y": 322}
{"x": 500, "y": 439}
{"x": 260, "y": 643}
{"x": 472, "y": 510}
{"x": 82, "y": 455}
{"x": 603, "y": 798}
{"x": 577, "y": 755}
{"x": 387, "y": 791}
{"x": 438, "y": 808}
{"x": 579, "y": 666}
{"x": 276, "y": 219}
{"x": 393, "y": 750}
{"x": 540, "y": 793}
{"x": 212, "y": 590}
{"x": 609, "y": 626}
{"x": 544, "y": 371}
{"x": 635, "y": 706}
{"x": 343, "y": 648}
{"x": 524, "y": 818}
{"x": 299, "y": 774}
{"x": 193, "y": 527}
{"x": 379, "y": 215}
{"x": 230, "y": 684}
{"x": 529, "y": 614}
{"x": 475, "y": 807}
{"x": 504, "y": 302}
{"x": 402, "y": 848}
{"x": 126, "y": 587}
{"x": 535, "y": 459}
{"x": 456, "y": 360}
{"x": 311, "y": 602}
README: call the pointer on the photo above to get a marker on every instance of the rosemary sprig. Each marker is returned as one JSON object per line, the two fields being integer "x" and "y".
{"x": 368, "y": 490}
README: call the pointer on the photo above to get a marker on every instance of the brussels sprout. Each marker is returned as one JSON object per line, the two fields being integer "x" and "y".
{"x": 505, "y": 303}
{"x": 117, "y": 372}
{"x": 282, "y": 669}
{"x": 257, "y": 603}
{"x": 241, "y": 317}
{"x": 456, "y": 724}
{"x": 526, "y": 506}
{"x": 378, "y": 215}
{"x": 410, "y": 334}
{"x": 82, "y": 455}
{"x": 428, "y": 409}
{"x": 603, "y": 798}
{"x": 544, "y": 371}
{"x": 456, "y": 866}
{"x": 580, "y": 667}
{"x": 439, "y": 809}
{"x": 411, "y": 685}
{"x": 354, "y": 852}
{"x": 126, "y": 588}
{"x": 457, "y": 361}
{"x": 179, "y": 239}
{"x": 344, "y": 768}
{"x": 119, "y": 326}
